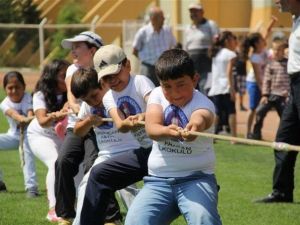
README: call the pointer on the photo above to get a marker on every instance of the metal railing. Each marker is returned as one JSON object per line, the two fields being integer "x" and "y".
{"x": 125, "y": 26}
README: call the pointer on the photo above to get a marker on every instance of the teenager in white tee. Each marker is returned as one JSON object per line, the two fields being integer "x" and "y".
{"x": 49, "y": 107}
{"x": 17, "y": 106}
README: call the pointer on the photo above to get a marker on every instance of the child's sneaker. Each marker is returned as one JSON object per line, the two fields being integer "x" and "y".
{"x": 2, "y": 186}
{"x": 32, "y": 192}
{"x": 65, "y": 221}
{"x": 52, "y": 217}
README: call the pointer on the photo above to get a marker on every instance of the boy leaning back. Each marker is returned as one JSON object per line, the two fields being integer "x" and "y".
{"x": 181, "y": 166}
{"x": 125, "y": 103}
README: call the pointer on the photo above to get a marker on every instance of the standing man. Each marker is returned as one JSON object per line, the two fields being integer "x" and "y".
{"x": 199, "y": 37}
{"x": 150, "y": 41}
{"x": 288, "y": 131}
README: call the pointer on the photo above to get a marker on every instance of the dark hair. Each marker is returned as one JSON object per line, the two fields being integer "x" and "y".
{"x": 90, "y": 45}
{"x": 83, "y": 81}
{"x": 173, "y": 64}
{"x": 249, "y": 41}
{"x": 47, "y": 84}
{"x": 219, "y": 42}
{"x": 12, "y": 74}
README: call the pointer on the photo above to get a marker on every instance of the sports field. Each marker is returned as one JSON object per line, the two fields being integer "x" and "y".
{"x": 243, "y": 172}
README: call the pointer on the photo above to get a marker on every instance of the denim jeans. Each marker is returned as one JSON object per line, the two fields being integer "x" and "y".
{"x": 8, "y": 141}
{"x": 162, "y": 200}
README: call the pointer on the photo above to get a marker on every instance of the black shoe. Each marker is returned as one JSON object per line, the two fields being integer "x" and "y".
{"x": 255, "y": 136}
{"x": 2, "y": 187}
{"x": 274, "y": 198}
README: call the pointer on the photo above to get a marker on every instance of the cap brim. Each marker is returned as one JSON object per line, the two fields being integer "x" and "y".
{"x": 67, "y": 43}
{"x": 109, "y": 70}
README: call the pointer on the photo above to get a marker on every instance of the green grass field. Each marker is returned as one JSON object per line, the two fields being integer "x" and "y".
{"x": 243, "y": 172}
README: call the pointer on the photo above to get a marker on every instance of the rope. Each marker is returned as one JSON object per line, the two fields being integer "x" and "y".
{"x": 275, "y": 145}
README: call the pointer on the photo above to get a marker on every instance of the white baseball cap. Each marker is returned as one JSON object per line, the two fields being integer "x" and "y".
{"x": 108, "y": 60}
{"x": 195, "y": 6}
{"x": 86, "y": 36}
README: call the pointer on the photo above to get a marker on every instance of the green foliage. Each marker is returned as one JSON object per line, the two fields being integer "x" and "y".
{"x": 70, "y": 13}
{"x": 25, "y": 12}
{"x": 6, "y": 16}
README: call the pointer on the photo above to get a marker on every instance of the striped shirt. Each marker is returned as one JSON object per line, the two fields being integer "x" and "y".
{"x": 276, "y": 79}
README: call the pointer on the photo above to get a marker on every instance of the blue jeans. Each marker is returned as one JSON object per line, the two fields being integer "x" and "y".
{"x": 8, "y": 141}
{"x": 162, "y": 200}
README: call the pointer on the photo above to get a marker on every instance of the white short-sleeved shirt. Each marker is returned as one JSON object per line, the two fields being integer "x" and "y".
{"x": 176, "y": 158}
{"x": 200, "y": 36}
{"x": 294, "y": 50}
{"x": 72, "y": 118}
{"x": 109, "y": 139}
{"x": 131, "y": 101}
{"x": 150, "y": 44}
{"x": 220, "y": 83}
{"x": 262, "y": 60}
{"x": 34, "y": 127}
{"x": 22, "y": 108}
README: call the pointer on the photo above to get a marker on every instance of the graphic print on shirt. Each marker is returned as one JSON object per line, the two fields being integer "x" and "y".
{"x": 128, "y": 106}
{"x": 103, "y": 113}
{"x": 174, "y": 115}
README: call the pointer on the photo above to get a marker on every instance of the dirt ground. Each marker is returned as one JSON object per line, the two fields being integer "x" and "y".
{"x": 268, "y": 132}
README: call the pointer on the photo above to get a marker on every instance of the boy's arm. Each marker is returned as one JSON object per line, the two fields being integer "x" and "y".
{"x": 82, "y": 127}
{"x": 72, "y": 102}
{"x": 154, "y": 124}
{"x": 122, "y": 124}
{"x": 200, "y": 120}
{"x": 266, "y": 87}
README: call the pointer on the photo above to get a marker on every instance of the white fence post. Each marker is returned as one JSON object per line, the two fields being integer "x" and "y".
{"x": 41, "y": 41}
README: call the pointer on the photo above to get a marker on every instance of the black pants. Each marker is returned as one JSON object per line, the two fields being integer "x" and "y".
{"x": 278, "y": 102}
{"x": 288, "y": 132}
{"x": 105, "y": 178}
{"x": 202, "y": 63}
{"x": 149, "y": 71}
{"x": 74, "y": 150}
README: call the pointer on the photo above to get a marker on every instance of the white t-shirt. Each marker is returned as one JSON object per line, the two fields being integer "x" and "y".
{"x": 72, "y": 118}
{"x": 200, "y": 36}
{"x": 261, "y": 59}
{"x": 176, "y": 158}
{"x": 294, "y": 50}
{"x": 130, "y": 101}
{"x": 34, "y": 127}
{"x": 109, "y": 139}
{"x": 22, "y": 108}
{"x": 220, "y": 83}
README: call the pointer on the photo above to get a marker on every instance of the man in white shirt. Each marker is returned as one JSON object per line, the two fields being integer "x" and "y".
{"x": 150, "y": 41}
{"x": 288, "y": 131}
{"x": 198, "y": 39}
